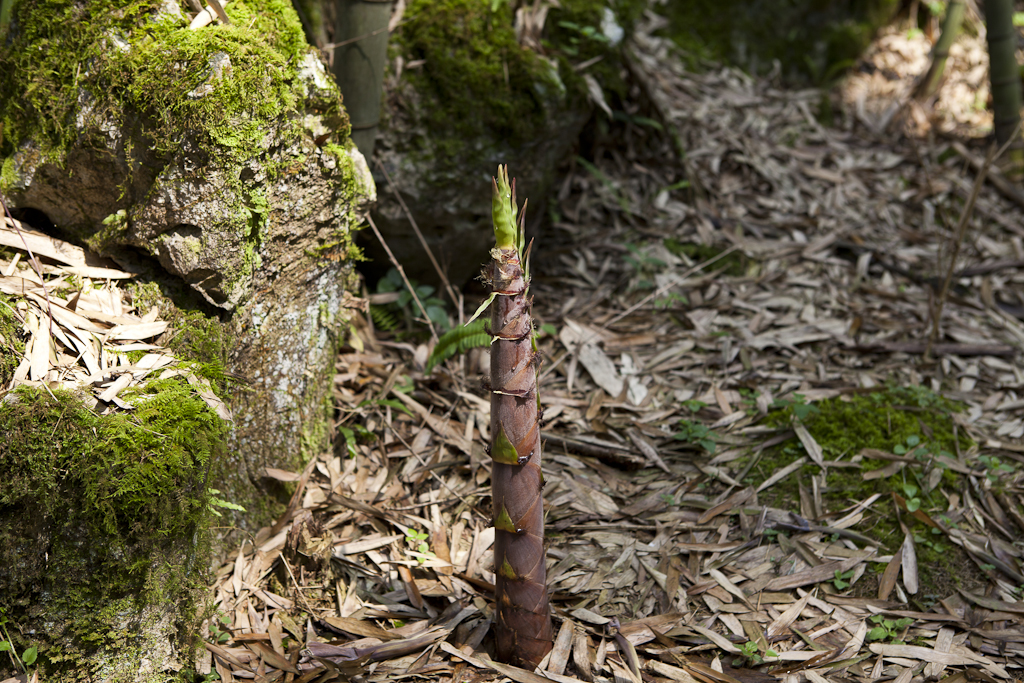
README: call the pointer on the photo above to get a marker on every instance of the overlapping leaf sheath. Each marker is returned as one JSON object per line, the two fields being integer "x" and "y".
{"x": 523, "y": 623}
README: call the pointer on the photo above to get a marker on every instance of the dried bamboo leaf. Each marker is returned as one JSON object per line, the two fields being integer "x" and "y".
{"x": 909, "y": 564}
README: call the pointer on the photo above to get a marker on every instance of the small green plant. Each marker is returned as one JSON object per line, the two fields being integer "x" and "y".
{"x": 404, "y": 384}
{"x": 353, "y": 434}
{"x": 734, "y": 264}
{"x": 751, "y": 654}
{"x": 646, "y": 266}
{"x": 913, "y": 502}
{"x": 841, "y": 580}
{"x": 419, "y": 538}
{"x": 547, "y": 330}
{"x": 458, "y": 340}
{"x": 694, "y": 406}
{"x": 387, "y": 316}
{"x": 696, "y": 433}
{"x": 350, "y": 440}
{"x": 887, "y": 629}
{"x": 394, "y": 404}
{"x": 670, "y": 300}
{"x": 797, "y": 406}
{"x": 28, "y": 656}
{"x": 911, "y": 445}
{"x": 577, "y": 34}
{"x": 217, "y": 502}
{"x": 218, "y": 629}
{"x": 994, "y": 467}
{"x": 937, "y": 546}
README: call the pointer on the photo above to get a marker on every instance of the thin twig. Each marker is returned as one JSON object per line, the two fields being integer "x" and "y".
{"x": 456, "y": 298}
{"x": 298, "y": 589}
{"x": 330, "y": 47}
{"x": 672, "y": 283}
{"x": 401, "y": 271}
{"x": 958, "y": 238}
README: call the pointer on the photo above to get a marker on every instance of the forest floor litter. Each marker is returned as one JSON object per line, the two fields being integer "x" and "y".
{"x": 706, "y": 323}
{"x": 693, "y": 332}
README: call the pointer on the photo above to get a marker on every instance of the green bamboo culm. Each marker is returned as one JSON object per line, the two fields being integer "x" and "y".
{"x": 361, "y": 35}
{"x": 1003, "y": 71}
{"x": 940, "y": 53}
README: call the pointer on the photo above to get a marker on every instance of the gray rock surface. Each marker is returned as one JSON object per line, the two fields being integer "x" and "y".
{"x": 269, "y": 249}
{"x": 216, "y": 162}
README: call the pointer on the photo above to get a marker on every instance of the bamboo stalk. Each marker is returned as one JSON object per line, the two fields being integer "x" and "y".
{"x": 523, "y": 624}
{"x": 940, "y": 53}
{"x": 1003, "y": 72}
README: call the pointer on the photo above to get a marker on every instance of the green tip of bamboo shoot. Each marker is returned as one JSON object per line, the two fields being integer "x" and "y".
{"x": 503, "y": 210}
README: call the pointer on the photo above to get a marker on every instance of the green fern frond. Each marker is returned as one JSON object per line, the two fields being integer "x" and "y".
{"x": 458, "y": 340}
{"x": 385, "y": 318}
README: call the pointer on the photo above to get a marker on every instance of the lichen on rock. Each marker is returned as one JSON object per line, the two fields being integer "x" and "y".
{"x": 214, "y": 163}
{"x": 221, "y": 154}
{"x": 184, "y": 129}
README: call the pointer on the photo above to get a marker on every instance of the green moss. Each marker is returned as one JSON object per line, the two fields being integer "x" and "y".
{"x": 883, "y": 420}
{"x": 574, "y": 33}
{"x": 104, "y": 517}
{"x": 8, "y": 174}
{"x": 196, "y": 337}
{"x": 813, "y": 39}
{"x": 341, "y": 244}
{"x": 132, "y": 468}
{"x": 11, "y": 344}
{"x": 129, "y": 50}
{"x": 891, "y": 420}
{"x": 478, "y": 80}
{"x": 480, "y": 85}
{"x": 230, "y": 95}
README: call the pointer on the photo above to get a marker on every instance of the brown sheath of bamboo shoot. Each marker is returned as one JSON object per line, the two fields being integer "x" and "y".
{"x": 523, "y": 622}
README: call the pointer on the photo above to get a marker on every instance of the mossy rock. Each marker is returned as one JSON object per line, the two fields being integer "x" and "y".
{"x": 216, "y": 163}
{"x": 472, "y": 94}
{"x": 813, "y": 40}
{"x": 103, "y": 531}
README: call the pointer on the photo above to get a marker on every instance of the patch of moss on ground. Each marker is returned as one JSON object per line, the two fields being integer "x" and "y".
{"x": 813, "y": 39}
{"x": 104, "y": 516}
{"x": 909, "y": 420}
{"x": 735, "y": 263}
{"x": 134, "y": 470}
